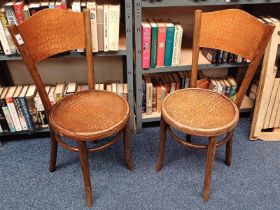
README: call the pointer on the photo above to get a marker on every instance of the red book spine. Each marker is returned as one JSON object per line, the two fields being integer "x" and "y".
{"x": 146, "y": 45}
{"x": 18, "y": 8}
{"x": 161, "y": 44}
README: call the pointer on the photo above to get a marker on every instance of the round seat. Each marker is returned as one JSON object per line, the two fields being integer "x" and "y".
{"x": 200, "y": 112}
{"x": 89, "y": 115}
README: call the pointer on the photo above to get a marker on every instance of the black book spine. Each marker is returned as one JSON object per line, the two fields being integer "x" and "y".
{"x": 3, "y": 121}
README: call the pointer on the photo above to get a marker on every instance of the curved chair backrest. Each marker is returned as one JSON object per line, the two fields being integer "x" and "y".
{"x": 234, "y": 31}
{"x": 49, "y": 32}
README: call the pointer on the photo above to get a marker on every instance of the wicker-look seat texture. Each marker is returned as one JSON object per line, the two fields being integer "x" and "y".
{"x": 201, "y": 112}
{"x": 84, "y": 116}
{"x": 89, "y": 115}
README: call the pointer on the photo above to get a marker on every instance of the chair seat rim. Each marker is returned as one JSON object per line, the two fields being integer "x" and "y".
{"x": 200, "y": 131}
{"x": 87, "y": 136}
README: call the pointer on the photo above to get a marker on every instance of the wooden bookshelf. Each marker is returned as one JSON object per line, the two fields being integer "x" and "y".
{"x": 247, "y": 105}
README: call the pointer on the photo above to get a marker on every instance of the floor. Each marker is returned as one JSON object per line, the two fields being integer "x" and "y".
{"x": 252, "y": 182}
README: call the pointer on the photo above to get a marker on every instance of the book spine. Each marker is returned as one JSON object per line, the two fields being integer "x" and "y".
{"x": 41, "y": 111}
{"x": 100, "y": 26}
{"x": 13, "y": 112}
{"x": 64, "y": 4}
{"x": 175, "y": 49}
{"x": 146, "y": 44}
{"x": 161, "y": 45}
{"x": 26, "y": 13}
{"x": 20, "y": 114}
{"x": 149, "y": 98}
{"x": 227, "y": 93}
{"x": 106, "y": 28}
{"x": 18, "y": 8}
{"x": 143, "y": 97}
{"x": 94, "y": 28}
{"x": 180, "y": 38}
{"x": 4, "y": 22}
{"x": 33, "y": 112}
{"x": 3, "y": 122}
{"x": 4, "y": 41}
{"x": 9, "y": 118}
{"x": 25, "y": 113}
{"x": 154, "y": 100}
{"x": 114, "y": 27}
{"x": 159, "y": 93}
{"x": 232, "y": 92}
{"x": 154, "y": 43}
{"x": 169, "y": 46}
{"x": 1, "y": 49}
{"x": 11, "y": 17}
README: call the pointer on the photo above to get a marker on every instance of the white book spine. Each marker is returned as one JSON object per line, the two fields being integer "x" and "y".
{"x": 11, "y": 17}
{"x": 4, "y": 41}
{"x": 76, "y": 7}
{"x": 92, "y": 7}
{"x": 20, "y": 115}
{"x": 9, "y": 118}
{"x": 114, "y": 27}
{"x": 14, "y": 116}
{"x": 106, "y": 27}
{"x": 180, "y": 37}
{"x": 176, "y": 43}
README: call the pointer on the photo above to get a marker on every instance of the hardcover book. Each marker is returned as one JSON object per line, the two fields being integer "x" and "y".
{"x": 58, "y": 92}
{"x": 18, "y": 8}
{"x": 10, "y": 14}
{"x": 12, "y": 108}
{"x": 161, "y": 41}
{"x": 114, "y": 26}
{"x": 106, "y": 27}
{"x": 154, "y": 43}
{"x": 6, "y": 111}
{"x": 100, "y": 26}
{"x": 169, "y": 44}
{"x": 91, "y": 5}
{"x": 31, "y": 92}
{"x": 146, "y": 44}
{"x": 3, "y": 122}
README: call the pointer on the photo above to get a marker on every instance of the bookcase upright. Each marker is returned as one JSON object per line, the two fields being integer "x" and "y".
{"x": 125, "y": 51}
{"x": 186, "y": 53}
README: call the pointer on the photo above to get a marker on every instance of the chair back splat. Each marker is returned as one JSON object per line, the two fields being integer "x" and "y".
{"x": 50, "y": 32}
{"x": 233, "y": 31}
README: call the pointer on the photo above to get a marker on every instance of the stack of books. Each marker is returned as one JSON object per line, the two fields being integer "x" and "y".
{"x": 21, "y": 108}
{"x": 156, "y": 87}
{"x": 224, "y": 86}
{"x": 161, "y": 43}
{"x": 105, "y": 21}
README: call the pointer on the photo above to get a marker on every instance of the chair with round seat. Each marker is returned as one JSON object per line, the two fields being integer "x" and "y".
{"x": 201, "y": 112}
{"x": 84, "y": 116}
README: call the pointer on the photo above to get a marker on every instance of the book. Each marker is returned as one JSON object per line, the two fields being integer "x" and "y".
{"x": 26, "y": 13}
{"x": 91, "y": 5}
{"x": 18, "y": 9}
{"x": 172, "y": 83}
{"x": 12, "y": 108}
{"x": 114, "y": 26}
{"x": 154, "y": 99}
{"x": 64, "y": 4}
{"x": 154, "y": 43}
{"x": 51, "y": 95}
{"x": 101, "y": 86}
{"x": 70, "y": 88}
{"x": 233, "y": 88}
{"x": 10, "y": 14}
{"x": 40, "y": 109}
{"x": 57, "y": 4}
{"x": 77, "y": 7}
{"x": 178, "y": 45}
{"x": 100, "y": 26}
{"x": 29, "y": 97}
{"x": 114, "y": 87}
{"x": 24, "y": 108}
{"x": 51, "y": 4}
{"x": 58, "y": 92}
{"x": 125, "y": 91}
{"x": 210, "y": 54}
{"x": 213, "y": 85}
{"x": 177, "y": 80}
{"x": 45, "y": 4}
{"x": 6, "y": 111}
{"x": 34, "y": 7}
{"x": 106, "y": 27}
{"x": 3, "y": 122}
{"x": 4, "y": 41}
{"x": 143, "y": 96}
{"x": 169, "y": 43}
{"x": 1, "y": 49}
{"x": 149, "y": 98}
{"x": 161, "y": 94}
{"x": 146, "y": 44}
{"x": 4, "y": 23}
{"x": 19, "y": 111}
{"x": 182, "y": 78}
{"x": 228, "y": 86}
{"x": 161, "y": 41}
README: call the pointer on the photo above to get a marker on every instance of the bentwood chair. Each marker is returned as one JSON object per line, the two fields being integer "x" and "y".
{"x": 84, "y": 116}
{"x": 201, "y": 112}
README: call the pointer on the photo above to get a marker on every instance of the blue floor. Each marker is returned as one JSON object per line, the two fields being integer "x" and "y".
{"x": 253, "y": 181}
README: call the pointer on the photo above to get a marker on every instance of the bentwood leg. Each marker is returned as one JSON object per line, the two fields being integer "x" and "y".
{"x": 85, "y": 170}
{"x": 53, "y": 154}
{"x": 211, "y": 150}
{"x": 126, "y": 145}
{"x": 162, "y": 141}
{"x": 229, "y": 149}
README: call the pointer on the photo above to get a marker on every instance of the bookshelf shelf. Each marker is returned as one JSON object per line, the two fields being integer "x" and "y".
{"x": 41, "y": 130}
{"x": 246, "y": 106}
{"x": 176, "y": 3}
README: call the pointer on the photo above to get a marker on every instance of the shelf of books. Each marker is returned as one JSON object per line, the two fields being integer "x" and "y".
{"x": 168, "y": 3}
{"x": 111, "y": 24}
{"x": 163, "y": 58}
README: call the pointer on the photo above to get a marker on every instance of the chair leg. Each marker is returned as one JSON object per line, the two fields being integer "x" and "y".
{"x": 85, "y": 170}
{"x": 126, "y": 145}
{"x": 162, "y": 141}
{"x": 229, "y": 150}
{"x": 53, "y": 155}
{"x": 211, "y": 150}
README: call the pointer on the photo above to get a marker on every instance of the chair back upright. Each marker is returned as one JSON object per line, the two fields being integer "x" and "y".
{"x": 47, "y": 33}
{"x": 234, "y": 31}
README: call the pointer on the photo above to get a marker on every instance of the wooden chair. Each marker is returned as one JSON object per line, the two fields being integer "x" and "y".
{"x": 203, "y": 112}
{"x": 84, "y": 116}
